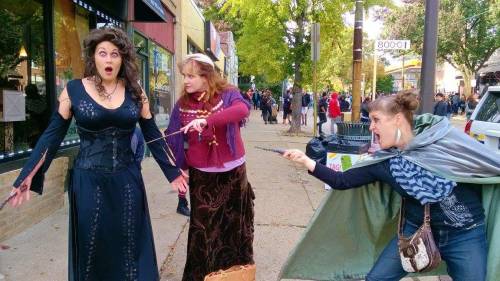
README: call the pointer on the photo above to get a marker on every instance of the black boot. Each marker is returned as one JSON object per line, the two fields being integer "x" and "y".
{"x": 182, "y": 207}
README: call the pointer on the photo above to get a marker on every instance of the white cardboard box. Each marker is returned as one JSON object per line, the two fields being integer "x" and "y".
{"x": 14, "y": 106}
{"x": 340, "y": 162}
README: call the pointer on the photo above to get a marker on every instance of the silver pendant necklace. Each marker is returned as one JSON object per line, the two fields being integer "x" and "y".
{"x": 105, "y": 95}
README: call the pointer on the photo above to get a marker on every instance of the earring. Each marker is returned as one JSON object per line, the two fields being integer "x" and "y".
{"x": 398, "y": 135}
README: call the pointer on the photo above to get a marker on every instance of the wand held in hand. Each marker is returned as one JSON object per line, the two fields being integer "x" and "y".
{"x": 277, "y": 150}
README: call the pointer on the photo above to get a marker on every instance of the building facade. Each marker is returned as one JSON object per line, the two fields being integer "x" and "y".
{"x": 407, "y": 77}
{"x": 191, "y": 37}
{"x": 231, "y": 61}
{"x": 155, "y": 47}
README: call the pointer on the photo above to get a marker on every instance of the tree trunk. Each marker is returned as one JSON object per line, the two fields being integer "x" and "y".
{"x": 297, "y": 82}
{"x": 467, "y": 75}
{"x": 296, "y": 100}
{"x": 296, "y": 107}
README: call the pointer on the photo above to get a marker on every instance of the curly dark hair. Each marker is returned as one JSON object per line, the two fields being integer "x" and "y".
{"x": 128, "y": 70}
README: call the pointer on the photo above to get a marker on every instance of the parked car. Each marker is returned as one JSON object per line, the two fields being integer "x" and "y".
{"x": 484, "y": 124}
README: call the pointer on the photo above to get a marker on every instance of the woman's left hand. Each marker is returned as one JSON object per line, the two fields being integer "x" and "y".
{"x": 197, "y": 124}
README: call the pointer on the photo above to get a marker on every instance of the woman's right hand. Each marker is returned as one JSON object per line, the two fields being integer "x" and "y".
{"x": 300, "y": 157}
{"x": 21, "y": 193}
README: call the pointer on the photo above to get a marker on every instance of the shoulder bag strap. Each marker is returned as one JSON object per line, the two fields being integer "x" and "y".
{"x": 427, "y": 217}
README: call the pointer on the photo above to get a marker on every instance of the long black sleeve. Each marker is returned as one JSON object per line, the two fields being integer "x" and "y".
{"x": 159, "y": 148}
{"x": 349, "y": 179}
{"x": 47, "y": 145}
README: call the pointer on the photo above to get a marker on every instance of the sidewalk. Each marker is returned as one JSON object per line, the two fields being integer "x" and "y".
{"x": 286, "y": 197}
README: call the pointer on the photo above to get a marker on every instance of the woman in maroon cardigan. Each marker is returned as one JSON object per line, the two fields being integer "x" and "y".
{"x": 210, "y": 112}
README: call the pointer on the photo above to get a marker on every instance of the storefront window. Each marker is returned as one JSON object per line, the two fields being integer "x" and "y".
{"x": 191, "y": 48}
{"x": 24, "y": 110}
{"x": 71, "y": 26}
{"x": 160, "y": 83}
{"x": 141, "y": 47}
{"x": 141, "y": 44}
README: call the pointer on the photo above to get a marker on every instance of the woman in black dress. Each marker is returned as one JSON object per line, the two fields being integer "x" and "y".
{"x": 110, "y": 228}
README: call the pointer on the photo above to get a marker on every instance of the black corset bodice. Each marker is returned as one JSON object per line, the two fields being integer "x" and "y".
{"x": 106, "y": 150}
{"x": 105, "y": 134}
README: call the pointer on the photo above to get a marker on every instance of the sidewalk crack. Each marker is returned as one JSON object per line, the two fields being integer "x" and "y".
{"x": 171, "y": 253}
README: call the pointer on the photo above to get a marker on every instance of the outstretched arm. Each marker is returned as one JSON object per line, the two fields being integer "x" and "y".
{"x": 337, "y": 180}
{"x": 32, "y": 174}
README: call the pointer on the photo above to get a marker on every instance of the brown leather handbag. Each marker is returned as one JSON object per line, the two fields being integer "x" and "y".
{"x": 418, "y": 252}
{"x": 234, "y": 273}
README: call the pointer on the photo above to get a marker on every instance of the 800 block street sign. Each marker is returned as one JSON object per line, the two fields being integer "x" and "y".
{"x": 392, "y": 44}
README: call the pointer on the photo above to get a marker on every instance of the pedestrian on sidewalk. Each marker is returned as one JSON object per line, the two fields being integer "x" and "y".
{"x": 462, "y": 105}
{"x": 470, "y": 105}
{"x": 256, "y": 99}
{"x": 455, "y": 102}
{"x": 110, "y": 234}
{"x": 441, "y": 179}
{"x": 344, "y": 105}
{"x": 306, "y": 100}
{"x": 210, "y": 112}
{"x": 449, "y": 109}
{"x": 441, "y": 106}
{"x": 266, "y": 105}
{"x": 334, "y": 112}
{"x": 365, "y": 115}
{"x": 287, "y": 107}
{"x": 322, "y": 110}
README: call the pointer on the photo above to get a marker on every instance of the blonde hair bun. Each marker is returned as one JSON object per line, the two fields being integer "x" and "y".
{"x": 408, "y": 100}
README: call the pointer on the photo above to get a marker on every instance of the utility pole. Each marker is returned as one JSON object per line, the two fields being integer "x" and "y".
{"x": 315, "y": 55}
{"x": 374, "y": 81}
{"x": 403, "y": 72}
{"x": 357, "y": 60}
{"x": 428, "y": 77}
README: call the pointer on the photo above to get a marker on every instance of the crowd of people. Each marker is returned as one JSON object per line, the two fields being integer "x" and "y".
{"x": 455, "y": 104}
{"x": 331, "y": 105}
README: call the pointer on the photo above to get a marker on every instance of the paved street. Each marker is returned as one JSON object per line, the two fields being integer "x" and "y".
{"x": 286, "y": 198}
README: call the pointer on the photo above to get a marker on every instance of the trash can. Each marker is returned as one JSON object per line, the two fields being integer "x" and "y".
{"x": 316, "y": 150}
{"x": 349, "y": 146}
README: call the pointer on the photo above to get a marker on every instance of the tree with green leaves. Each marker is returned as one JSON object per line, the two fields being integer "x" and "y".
{"x": 273, "y": 39}
{"x": 10, "y": 43}
{"x": 26, "y": 22}
{"x": 468, "y": 33}
{"x": 385, "y": 84}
